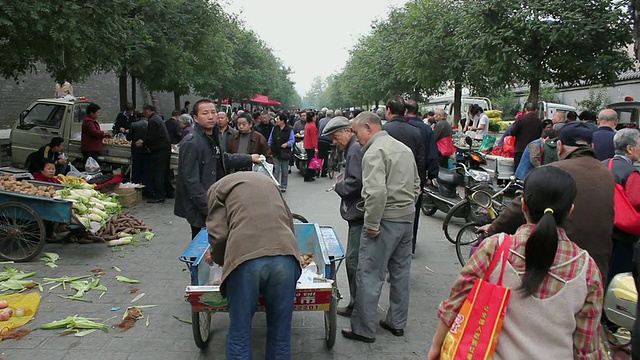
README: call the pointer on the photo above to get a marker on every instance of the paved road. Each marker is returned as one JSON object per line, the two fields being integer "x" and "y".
{"x": 163, "y": 279}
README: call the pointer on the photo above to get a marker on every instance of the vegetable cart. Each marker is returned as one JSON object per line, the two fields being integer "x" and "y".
{"x": 22, "y": 221}
{"x": 320, "y": 296}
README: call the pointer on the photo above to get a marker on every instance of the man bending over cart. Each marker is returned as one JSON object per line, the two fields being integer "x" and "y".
{"x": 258, "y": 252}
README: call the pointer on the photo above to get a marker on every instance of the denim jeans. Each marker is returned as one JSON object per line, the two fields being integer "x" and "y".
{"x": 281, "y": 172}
{"x": 274, "y": 278}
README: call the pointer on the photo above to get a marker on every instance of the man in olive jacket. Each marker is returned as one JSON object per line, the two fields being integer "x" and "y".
{"x": 251, "y": 234}
{"x": 202, "y": 162}
{"x": 390, "y": 187}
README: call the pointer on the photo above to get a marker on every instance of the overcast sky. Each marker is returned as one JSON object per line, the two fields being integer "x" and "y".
{"x": 312, "y": 37}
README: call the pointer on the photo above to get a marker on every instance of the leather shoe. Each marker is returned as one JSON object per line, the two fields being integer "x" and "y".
{"x": 344, "y": 311}
{"x": 395, "y": 332}
{"x": 353, "y": 336}
{"x": 155, "y": 201}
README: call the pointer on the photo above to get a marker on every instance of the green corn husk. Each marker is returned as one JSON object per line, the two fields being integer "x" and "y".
{"x": 126, "y": 279}
{"x": 75, "y": 322}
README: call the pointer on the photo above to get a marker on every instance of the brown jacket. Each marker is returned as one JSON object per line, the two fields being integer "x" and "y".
{"x": 258, "y": 145}
{"x": 591, "y": 223}
{"x": 248, "y": 219}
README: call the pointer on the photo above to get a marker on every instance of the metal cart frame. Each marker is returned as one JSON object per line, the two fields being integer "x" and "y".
{"x": 312, "y": 238}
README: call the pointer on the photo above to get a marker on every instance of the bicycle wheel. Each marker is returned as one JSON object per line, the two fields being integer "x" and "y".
{"x": 459, "y": 210}
{"x": 467, "y": 237}
{"x": 299, "y": 219}
{"x": 331, "y": 164}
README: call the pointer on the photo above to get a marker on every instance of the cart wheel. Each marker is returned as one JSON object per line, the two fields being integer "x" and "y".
{"x": 22, "y": 232}
{"x": 331, "y": 320}
{"x": 201, "y": 325}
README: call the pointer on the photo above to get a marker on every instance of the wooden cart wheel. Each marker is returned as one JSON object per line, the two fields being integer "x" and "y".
{"x": 331, "y": 320}
{"x": 201, "y": 326}
{"x": 22, "y": 232}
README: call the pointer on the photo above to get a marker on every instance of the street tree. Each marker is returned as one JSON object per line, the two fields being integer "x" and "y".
{"x": 556, "y": 41}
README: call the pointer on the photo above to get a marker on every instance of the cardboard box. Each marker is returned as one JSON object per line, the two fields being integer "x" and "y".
{"x": 128, "y": 197}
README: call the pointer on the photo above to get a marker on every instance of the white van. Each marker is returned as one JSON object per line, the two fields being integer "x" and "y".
{"x": 546, "y": 109}
{"x": 447, "y": 104}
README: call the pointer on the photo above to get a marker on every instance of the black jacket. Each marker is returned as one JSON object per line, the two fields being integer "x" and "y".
{"x": 137, "y": 131}
{"x": 122, "y": 121}
{"x": 350, "y": 187}
{"x": 175, "y": 134}
{"x": 279, "y": 137}
{"x": 264, "y": 129}
{"x": 432, "y": 164}
{"x": 198, "y": 170}
{"x": 412, "y": 138}
{"x": 157, "y": 138}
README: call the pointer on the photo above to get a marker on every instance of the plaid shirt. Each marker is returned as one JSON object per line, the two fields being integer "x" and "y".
{"x": 586, "y": 338}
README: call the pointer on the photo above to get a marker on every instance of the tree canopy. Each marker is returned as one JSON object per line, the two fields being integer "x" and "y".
{"x": 178, "y": 46}
{"x": 429, "y": 46}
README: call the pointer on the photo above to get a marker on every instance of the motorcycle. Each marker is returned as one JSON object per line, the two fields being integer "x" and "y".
{"x": 445, "y": 195}
{"x": 300, "y": 155}
{"x": 620, "y": 308}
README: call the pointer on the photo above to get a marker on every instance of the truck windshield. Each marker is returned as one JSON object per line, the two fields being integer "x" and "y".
{"x": 47, "y": 115}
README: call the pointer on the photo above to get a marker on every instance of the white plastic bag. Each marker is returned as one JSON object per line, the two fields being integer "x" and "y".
{"x": 120, "y": 137}
{"x": 215, "y": 274}
{"x": 265, "y": 168}
{"x": 91, "y": 166}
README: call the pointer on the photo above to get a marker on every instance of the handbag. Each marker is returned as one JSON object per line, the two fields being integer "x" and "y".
{"x": 315, "y": 163}
{"x": 626, "y": 218}
{"x": 446, "y": 147}
{"x": 475, "y": 330}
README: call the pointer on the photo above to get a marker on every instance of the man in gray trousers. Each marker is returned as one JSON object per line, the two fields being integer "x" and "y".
{"x": 349, "y": 188}
{"x": 390, "y": 187}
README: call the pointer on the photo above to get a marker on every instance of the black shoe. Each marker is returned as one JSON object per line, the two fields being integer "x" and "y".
{"x": 310, "y": 180}
{"x": 323, "y": 174}
{"x": 289, "y": 171}
{"x": 155, "y": 201}
{"x": 353, "y": 336}
{"x": 344, "y": 311}
{"x": 171, "y": 195}
{"x": 396, "y": 332}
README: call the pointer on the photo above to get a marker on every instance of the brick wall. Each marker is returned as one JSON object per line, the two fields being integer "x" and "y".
{"x": 101, "y": 89}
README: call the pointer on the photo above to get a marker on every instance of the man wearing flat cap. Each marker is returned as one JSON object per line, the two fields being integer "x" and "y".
{"x": 349, "y": 188}
{"x": 591, "y": 222}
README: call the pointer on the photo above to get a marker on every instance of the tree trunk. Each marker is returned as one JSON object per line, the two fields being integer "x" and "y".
{"x": 176, "y": 100}
{"x": 122, "y": 88}
{"x": 416, "y": 95}
{"x": 636, "y": 27}
{"x": 534, "y": 91}
{"x": 134, "y": 90}
{"x": 457, "y": 102}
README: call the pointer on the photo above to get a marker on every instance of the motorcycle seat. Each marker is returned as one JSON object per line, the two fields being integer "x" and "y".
{"x": 446, "y": 176}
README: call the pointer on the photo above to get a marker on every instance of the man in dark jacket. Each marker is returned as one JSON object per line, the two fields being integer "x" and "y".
{"x": 248, "y": 141}
{"x": 349, "y": 188}
{"x": 527, "y": 128}
{"x": 603, "y": 137}
{"x": 124, "y": 120}
{"x": 591, "y": 222}
{"x": 140, "y": 160}
{"x": 264, "y": 126}
{"x": 202, "y": 162}
{"x": 159, "y": 145}
{"x": 173, "y": 127}
{"x": 406, "y": 133}
{"x": 430, "y": 159}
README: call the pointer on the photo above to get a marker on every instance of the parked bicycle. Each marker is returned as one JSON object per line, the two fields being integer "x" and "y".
{"x": 466, "y": 209}
{"x": 334, "y": 161}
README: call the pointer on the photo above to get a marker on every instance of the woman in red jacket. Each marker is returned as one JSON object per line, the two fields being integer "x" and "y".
{"x": 310, "y": 144}
{"x": 47, "y": 173}
{"x": 92, "y": 135}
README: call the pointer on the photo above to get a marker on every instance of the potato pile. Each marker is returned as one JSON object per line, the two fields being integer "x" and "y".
{"x": 116, "y": 142}
{"x": 9, "y": 183}
{"x": 306, "y": 259}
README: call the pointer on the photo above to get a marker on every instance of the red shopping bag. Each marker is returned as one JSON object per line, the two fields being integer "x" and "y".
{"x": 509, "y": 143}
{"x": 625, "y": 218}
{"x": 475, "y": 331}
{"x": 445, "y": 146}
{"x": 315, "y": 163}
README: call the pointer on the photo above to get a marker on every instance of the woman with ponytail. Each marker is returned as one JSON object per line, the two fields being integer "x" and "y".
{"x": 555, "y": 309}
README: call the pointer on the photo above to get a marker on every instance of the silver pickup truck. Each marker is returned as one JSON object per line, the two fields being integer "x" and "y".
{"x": 48, "y": 118}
